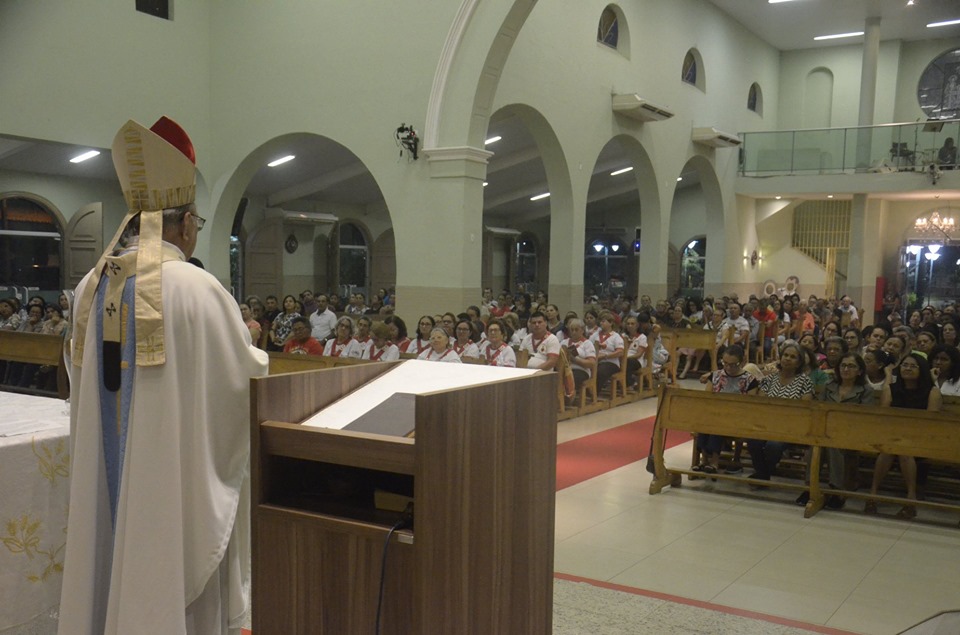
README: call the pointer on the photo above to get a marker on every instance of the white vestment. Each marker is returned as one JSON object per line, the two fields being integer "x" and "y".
{"x": 178, "y": 530}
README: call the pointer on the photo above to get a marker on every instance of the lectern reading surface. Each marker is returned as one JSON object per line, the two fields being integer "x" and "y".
{"x": 481, "y": 471}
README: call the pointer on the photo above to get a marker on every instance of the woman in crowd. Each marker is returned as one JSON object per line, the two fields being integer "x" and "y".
{"x": 591, "y": 323}
{"x": 283, "y": 324}
{"x": 788, "y": 321}
{"x": 56, "y": 324}
{"x": 252, "y": 325}
{"x": 789, "y": 382}
{"x": 829, "y": 329}
{"x": 580, "y": 352}
{"x": 554, "y": 324}
{"x": 609, "y": 347}
{"x": 398, "y": 332}
{"x": 448, "y": 321}
{"x": 948, "y": 333}
{"x": 517, "y": 331}
{"x": 440, "y": 350}
{"x": 852, "y": 337}
{"x": 636, "y": 341}
{"x": 945, "y": 361}
{"x": 498, "y": 352}
{"x": 343, "y": 345}
{"x": 522, "y": 307}
{"x": 848, "y": 387}
{"x": 422, "y": 341}
{"x": 64, "y": 304}
{"x": 694, "y": 312}
{"x": 926, "y": 340}
{"x": 911, "y": 386}
{"x": 810, "y": 342}
{"x": 915, "y": 320}
{"x": 381, "y": 349}
{"x": 465, "y": 342}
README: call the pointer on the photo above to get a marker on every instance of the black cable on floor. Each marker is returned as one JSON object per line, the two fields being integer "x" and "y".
{"x": 405, "y": 521}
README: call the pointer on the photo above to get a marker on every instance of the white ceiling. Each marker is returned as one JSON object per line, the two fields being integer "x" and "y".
{"x": 793, "y": 25}
{"x": 326, "y": 171}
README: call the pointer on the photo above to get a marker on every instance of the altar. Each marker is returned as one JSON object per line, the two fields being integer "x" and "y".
{"x": 34, "y": 472}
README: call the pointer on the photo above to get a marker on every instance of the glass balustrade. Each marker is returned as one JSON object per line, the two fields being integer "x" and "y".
{"x": 884, "y": 148}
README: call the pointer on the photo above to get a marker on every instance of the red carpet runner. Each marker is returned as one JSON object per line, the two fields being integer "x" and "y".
{"x": 599, "y": 453}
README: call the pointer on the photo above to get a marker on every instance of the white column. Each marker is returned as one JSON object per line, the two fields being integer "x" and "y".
{"x": 868, "y": 90}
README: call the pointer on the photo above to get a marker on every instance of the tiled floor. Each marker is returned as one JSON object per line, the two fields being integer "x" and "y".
{"x": 723, "y": 544}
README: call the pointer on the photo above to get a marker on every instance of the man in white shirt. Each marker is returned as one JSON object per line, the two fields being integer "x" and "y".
{"x": 322, "y": 321}
{"x": 741, "y": 328}
{"x": 542, "y": 346}
{"x": 846, "y": 306}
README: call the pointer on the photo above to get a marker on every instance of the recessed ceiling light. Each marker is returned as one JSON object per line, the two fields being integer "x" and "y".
{"x": 910, "y": 3}
{"x": 621, "y": 171}
{"x": 83, "y": 157}
{"x": 778, "y": 1}
{"x": 778, "y": 197}
{"x": 947, "y": 23}
{"x": 539, "y": 196}
{"x": 838, "y": 35}
{"x": 829, "y": 195}
{"x": 492, "y": 140}
{"x": 281, "y": 161}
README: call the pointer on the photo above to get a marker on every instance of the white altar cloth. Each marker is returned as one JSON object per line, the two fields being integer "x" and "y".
{"x": 34, "y": 490}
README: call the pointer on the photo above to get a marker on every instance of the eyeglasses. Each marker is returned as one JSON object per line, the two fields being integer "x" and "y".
{"x": 201, "y": 221}
{"x": 849, "y": 367}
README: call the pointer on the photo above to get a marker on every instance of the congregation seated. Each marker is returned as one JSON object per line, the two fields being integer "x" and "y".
{"x": 381, "y": 348}
{"x": 580, "y": 352}
{"x": 300, "y": 341}
{"x": 343, "y": 345}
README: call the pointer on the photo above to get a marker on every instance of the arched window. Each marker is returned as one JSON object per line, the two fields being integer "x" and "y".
{"x": 30, "y": 245}
{"x": 604, "y": 266}
{"x": 526, "y": 263}
{"x": 353, "y": 259}
{"x": 939, "y": 89}
{"x": 608, "y": 30}
{"x": 692, "y": 71}
{"x": 755, "y": 99}
{"x": 693, "y": 263}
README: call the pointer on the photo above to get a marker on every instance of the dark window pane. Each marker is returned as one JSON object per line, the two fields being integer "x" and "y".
{"x": 158, "y": 8}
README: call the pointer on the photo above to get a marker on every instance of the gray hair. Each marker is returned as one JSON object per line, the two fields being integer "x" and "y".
{"x": 171, "y": 218}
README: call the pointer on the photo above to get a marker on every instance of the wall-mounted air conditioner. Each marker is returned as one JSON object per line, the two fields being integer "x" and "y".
{"x": 636, "y": 107}
{"x": 715, "y": 138}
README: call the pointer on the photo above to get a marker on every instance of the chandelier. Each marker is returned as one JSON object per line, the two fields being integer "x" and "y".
{"x": 936, "y": 225}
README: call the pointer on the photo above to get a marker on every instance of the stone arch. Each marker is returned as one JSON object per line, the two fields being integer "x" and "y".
{"x": 561, "y": 207}
{"x": 719, "y": 233}
{"x": 618, "y": 153}
{"x": 230, "y": 189}
{"x": 818, "y": 98}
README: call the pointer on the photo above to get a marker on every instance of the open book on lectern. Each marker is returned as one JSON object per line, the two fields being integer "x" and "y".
{"x": 386, "y": 405}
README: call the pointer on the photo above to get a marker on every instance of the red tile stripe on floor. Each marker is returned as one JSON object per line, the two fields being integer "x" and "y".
{"x": 814, "y": 628}
{"x": 595, "y": 454}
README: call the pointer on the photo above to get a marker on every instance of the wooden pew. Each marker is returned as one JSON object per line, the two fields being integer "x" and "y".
{"x": 934, "y": 435}
{"x": 696, "y": 338}
{"x": 36, "y": 348}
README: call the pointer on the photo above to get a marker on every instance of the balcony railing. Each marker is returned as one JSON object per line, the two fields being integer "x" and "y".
{"x": 883, "y": 148}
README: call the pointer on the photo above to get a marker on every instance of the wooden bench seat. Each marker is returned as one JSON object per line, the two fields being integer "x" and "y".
{"x": 869, "y": 429}
{"x": 35, "y": 348}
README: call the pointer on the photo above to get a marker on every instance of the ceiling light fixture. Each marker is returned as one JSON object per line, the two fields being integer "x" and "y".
{"x": 778, "y": 1}
{"x": 838, "y": 35}
{"x": 485, "y": 184}
{"x": 947, "y": 23}
{"x": 492, "y": 140}
{"x": 679, "y": 178}
{"x": 83, "y": 157}
{"x": 778, "y": 197}
{"x": 539, "y": 196}
{"x": 281, "y": 161}
{"x": 621, "y": 171}
{"x": 829, "y": 195}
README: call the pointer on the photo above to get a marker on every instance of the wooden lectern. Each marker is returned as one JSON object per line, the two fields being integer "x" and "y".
{"x": 481, "y": 470}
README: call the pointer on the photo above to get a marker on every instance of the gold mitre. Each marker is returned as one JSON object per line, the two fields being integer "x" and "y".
{"x": 156, "y": 168}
